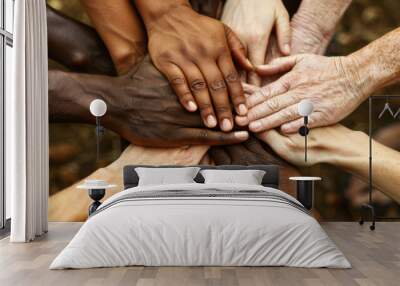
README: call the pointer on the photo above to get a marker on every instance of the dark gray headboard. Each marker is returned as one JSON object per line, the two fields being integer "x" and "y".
{"x": 271, "y": 177}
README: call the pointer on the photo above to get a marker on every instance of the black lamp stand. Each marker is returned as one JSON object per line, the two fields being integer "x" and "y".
{"x": 303, "y": 131}
{"x": 99, "y": 133}
{"x": 96, "y": 195}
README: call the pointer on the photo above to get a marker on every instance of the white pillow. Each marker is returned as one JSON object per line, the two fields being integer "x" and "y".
{"x": 248, "y": 177}
{"x": 165, "y": 176}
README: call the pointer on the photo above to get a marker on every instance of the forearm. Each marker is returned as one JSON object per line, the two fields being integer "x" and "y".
{"x": 376, "y": 65}
{"x": 353, "y": 156}
{"x": 66, "y": 103}
{"x": 120, "y": 28}
{"x": 315, "y": 23}
{"x": 152, "y": 10}
{"x": 70, "y": 95}
{"x": 76, "y": 45}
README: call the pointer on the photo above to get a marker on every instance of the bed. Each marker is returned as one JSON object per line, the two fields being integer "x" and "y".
{"x": 201, "y": 224}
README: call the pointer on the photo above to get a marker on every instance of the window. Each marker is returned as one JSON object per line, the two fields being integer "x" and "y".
{"x": 6, "y": 65}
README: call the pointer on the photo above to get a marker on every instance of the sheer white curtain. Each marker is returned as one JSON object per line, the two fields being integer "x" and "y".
{"x": 27, "y": 124}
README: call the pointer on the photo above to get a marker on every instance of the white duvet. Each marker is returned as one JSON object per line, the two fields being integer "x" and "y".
{"x": 205, "y": 230}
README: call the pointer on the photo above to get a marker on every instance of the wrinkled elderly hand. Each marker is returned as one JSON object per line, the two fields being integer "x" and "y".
{"x": 195, "y": 53}
{"x": 331, "y": 83}
{"x": 253, "y": 21}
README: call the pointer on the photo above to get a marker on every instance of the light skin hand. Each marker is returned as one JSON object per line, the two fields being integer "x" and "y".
{"x": 325, "y": 81}
{"x": 312, "y": 27}
{"x": 291, "y": 146}
{"x": 335, "y": 85}
{"x": 341, "y": 147}
{"x": 195, "y": 52}
{"x": 314, "y": 23}
{"x": 253, "y": 21}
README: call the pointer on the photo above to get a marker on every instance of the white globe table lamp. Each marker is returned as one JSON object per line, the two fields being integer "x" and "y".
{"x": 98, "y": 108}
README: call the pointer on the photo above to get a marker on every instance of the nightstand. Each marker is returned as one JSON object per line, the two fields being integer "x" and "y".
{"x": 305, "y": 190}
{"x": 96, "y": 190}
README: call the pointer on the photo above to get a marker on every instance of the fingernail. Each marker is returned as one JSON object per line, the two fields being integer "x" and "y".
{"x": 192, "y": 106}
{"x": 241, "y": 135}
{"x": 211, "y": 121}
{"x": 286, "y": 49}
{"x": 242, "y": 109}
{"x": 255, "y": 126}
{"x": 226, "y": 125}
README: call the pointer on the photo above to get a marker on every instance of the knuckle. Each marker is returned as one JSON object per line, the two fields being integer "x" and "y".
{"x": 205, "y": 108}
{"x": 237, "y": 96}
{"x": 185, "y": 96}
{"x": 287, "y": 115}
{"x": 272, "y": 104}
{"x": 202, "y": 50}
{"x": 265, "y": 91}
{"x": 232, "y": 77}
{"x": 222, "y": 109}
{"x": 254, "y": 114}
{"x": 218, "y": 85}
{"x": 285, "y": 85}
{"x": 185, "y": 51}
{"x": 177, "y": 81}
{"x": 167, "y": 54}
{"x": 197, "y": 85}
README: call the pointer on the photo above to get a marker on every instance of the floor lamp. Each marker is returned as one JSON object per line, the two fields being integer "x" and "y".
{"x": 369, "y": 206}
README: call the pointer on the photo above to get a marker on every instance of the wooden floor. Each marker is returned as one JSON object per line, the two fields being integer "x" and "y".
{"x": 375, "y": 257}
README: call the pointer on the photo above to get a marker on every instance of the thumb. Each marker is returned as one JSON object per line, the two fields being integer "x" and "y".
{"x": 256, "y": 54}
{"x": 283, "y": 31}
{"x": 271, "y": 137}
{"x": 279, "y": 65}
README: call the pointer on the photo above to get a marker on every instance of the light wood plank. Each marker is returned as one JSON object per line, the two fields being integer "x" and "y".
{"x": 375, "y": 257}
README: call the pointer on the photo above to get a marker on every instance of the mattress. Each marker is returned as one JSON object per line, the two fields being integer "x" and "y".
{"x": 201, "y": 225}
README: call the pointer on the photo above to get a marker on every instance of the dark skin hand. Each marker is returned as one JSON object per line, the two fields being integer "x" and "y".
{"x": 195, "y": 53}
{"x": 76, "y": 45}
{"x": 251, "y": 152}
{"x": 142, "y": 108}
